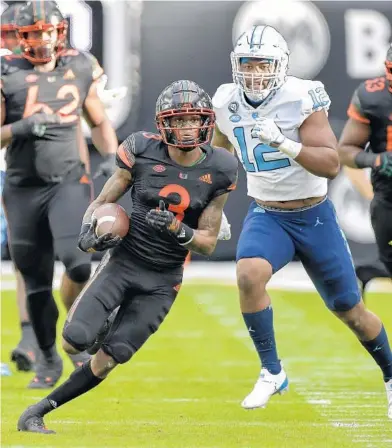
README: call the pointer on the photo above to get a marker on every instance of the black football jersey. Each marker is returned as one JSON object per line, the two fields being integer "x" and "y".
{"x": 51, "y": 158}
{"x": 372, "y": 104}
{"x": 186, "y": 192}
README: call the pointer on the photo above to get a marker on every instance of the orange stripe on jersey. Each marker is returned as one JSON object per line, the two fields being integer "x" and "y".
{"x": 353, "y": 113}
{"x": 123, "y": 156}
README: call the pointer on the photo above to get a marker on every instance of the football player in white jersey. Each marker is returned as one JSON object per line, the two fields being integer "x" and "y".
{"x": 278, "y": 126}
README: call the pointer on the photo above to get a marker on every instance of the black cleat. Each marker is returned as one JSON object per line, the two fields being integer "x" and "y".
{"x": 32, "y": 420}
{"x": 23, "y": 359}
{"x": 47, "y": 373}
{"x": 24, "y": 354}
{"x": 103, "y": 332}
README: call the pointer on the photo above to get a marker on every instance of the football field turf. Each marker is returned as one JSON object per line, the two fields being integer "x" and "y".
{"x": 184, "y": 388}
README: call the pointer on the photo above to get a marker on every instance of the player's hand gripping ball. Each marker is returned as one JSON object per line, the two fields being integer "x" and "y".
{"x": 109, "y": 224}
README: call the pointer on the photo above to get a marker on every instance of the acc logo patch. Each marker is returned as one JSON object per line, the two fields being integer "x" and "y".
{"x": 233, "y": 107}
{"x": 235, "y": 118}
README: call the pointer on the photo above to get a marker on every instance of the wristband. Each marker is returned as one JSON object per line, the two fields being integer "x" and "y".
{"x": 185, "y": 235}
{"x": 290, "y": 148}
{"x": 365, "y": 159}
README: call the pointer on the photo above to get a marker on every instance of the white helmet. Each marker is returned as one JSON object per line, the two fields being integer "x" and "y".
{"x": 264, "y": 42}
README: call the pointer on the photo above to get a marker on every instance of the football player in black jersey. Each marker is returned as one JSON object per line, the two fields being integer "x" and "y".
{"x": 44, "y": 91}
{"x": 179, "y": 187}
{"x": 370, "y": 125}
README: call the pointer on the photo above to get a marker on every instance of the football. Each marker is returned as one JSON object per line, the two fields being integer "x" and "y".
{"x": 111, "y": 218}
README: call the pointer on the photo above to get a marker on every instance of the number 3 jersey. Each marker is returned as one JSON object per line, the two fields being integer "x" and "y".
{"x": 186, "y": 191}
{"x": 271, "y": 175}
{"x": 54, "y": 156}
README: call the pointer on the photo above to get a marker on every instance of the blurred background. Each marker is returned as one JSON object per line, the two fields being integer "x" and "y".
{"x": 145, "y": 45}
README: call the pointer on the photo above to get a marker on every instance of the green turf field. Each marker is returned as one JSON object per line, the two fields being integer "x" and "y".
{"x": 183, "y": 390}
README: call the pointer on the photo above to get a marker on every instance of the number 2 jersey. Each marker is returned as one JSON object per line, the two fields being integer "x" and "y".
{"x": 271, "y": 175}
{"x": 186, "y": 191}
{"x": 372, "y": 104}
{"x": 54, "y": 156}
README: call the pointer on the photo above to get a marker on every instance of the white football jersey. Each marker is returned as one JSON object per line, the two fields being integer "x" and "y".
{"x": 272, "y": 175}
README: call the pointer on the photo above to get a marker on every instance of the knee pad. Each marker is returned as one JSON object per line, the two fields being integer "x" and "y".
{"x": 80, "y": 274}
{"x": 77, "y": 335}
{"x": 121, "y": 352}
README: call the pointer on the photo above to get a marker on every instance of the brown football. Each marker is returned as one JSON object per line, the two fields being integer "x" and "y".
{"x": 111, "y": 218}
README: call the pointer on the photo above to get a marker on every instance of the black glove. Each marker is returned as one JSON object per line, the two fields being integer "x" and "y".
{"x": 164, "y": 221}
{"x": 34, "y": 125}
{"x": 107, "y": 167}
{"x": 88, "y": 241}
{"x": 384, "y": 164}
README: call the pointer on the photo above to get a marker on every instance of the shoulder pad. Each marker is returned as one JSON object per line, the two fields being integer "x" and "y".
{"x": 368, "y": 90}
{"x": 223, "y": 95}
{"x": 141, "y": 140}
{"x": 11, "y": 63}
{"x": 310, "y": 95}
{"x": 85, "y": 60}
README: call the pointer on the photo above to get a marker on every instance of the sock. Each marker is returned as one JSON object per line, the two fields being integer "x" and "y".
{"x": 27, "y": 330}
{"x": 43, "y": 313}
{"x": 81, "y": 381}
{"x": 381, "y": 352}
{"x": 261, "y": 329}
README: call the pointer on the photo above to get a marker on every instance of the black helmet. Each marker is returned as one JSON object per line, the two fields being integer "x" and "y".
{"x": 8, "y": 18}
{"x": 388, "y": 64}
{"x": 40, "y": 15}
{"x": 184, "y": 98}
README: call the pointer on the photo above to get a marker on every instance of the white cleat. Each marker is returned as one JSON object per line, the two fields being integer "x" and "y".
{"x": 266, "y": 386}
{"x": 388, "y": 387}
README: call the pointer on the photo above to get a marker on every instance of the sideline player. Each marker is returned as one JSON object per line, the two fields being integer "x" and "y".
{"x": 279, "y": 127}
{"x": 46, "y": 190}
{"x": 180, "y": 185}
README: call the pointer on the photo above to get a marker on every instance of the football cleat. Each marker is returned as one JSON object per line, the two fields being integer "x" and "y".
{"x": 266, "y": 386}
{"x": 24, "y": 354}
{"x": 47, "y": 373}
{"x": 388, "y": 387}
{"x": 32, "y": 420}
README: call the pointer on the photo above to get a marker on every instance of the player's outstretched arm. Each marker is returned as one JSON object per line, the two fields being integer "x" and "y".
{"x": 116, "y": 186}
{"x": 220, "y": 140}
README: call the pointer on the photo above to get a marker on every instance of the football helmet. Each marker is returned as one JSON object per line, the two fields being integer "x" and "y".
{"x": 388, "y": 65}
{"x": 9, "y": 39}
{"x": 181, "y": 99}
{"x": 265, "y": 43}
{"x": 41, "y": 16}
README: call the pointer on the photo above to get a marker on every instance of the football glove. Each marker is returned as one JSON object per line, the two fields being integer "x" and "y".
{"x": 224, "y": 231}
{"x": 267, "y": 132}
{"x": 163, "y": 220}
{"x": 107, "y": 167}
{"x": 88, "y": 241}
{"x": 384, "y": 164}
{"x": 34, "y": 125}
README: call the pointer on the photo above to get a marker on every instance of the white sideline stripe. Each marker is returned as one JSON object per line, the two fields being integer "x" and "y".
{"x": 291, "y": 278}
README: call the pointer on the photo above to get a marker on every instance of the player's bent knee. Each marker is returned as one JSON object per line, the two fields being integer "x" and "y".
{"x": 76, "y": 337}
{"x": 80, "y": 274}
{"x": 344, "y": 304}
{"x": 253, "y": 273}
